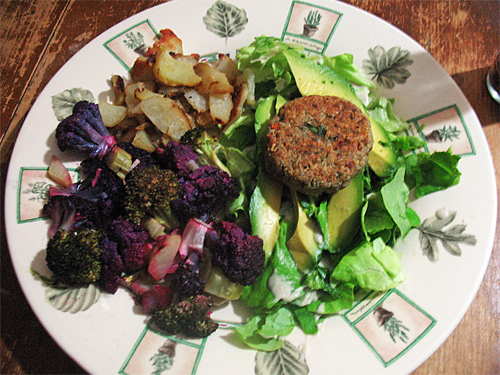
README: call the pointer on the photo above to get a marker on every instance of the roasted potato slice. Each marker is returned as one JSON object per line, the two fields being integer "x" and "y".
{"x": 229, "y": 67}
{"x": 198, "y": 101}
{"x": 142, "y": 70}
{"x": 142, "y": 92}
{"x": 220, "y": 107}
{"x": 168, "y": 41}
{"x": 167, "y": 116}
{"x": 174, "y": 72}
{"x": 143, "y": 140}
{"x": 239, "y": 99}
{"x": 212, "y": 81}
{"x": 131, "y": 100}
{"x": 112, "y": 114}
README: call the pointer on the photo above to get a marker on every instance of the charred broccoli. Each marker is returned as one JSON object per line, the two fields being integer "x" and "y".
{"x": 204, "y": 193}
{"x": 75, "y": 257}
{"x": 205, "y": 146}
{"x": 149, "y": 191}
{"x": 84, "y": 131}
{"x": 239, "y": 255}
{"x": 189, "y": 317}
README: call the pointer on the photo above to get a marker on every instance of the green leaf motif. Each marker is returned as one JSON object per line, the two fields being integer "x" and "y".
{"x": 388, "y": 67}
{"x": 72, "y": 300}
{"x": 288, "y": 360}
{"x": 225, "y": 20}
{"x": 63, "y": 103}
{"x": 432, "y": 230}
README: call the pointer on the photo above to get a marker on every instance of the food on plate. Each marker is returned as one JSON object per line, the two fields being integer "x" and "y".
{"x": 318, "y": 144}
{"x": 264, "y": 179}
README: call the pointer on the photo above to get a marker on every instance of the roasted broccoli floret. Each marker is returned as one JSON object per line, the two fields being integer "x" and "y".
{"x": 239, "y": 255}
{"x": 149, "y": 191}
{"x": 187, "y": 280}
{"x": 189, "y": 317}
{"x": 75, "y": 257}
{"x": 205, "y": 146}
{"x": 111, "y": 266}
{"x": 177, "y": 157}
{"x": 132, "y": 243}
{"x": 204, "y": 193}
{"x": 84, "y": 131}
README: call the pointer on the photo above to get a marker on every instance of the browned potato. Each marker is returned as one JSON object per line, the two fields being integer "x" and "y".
{"x": 174, "y": 72}
{"x": 131, "y": 101}
{"x": 212, "y": 81}
{"x": 111, "y": 114}
{"x": 229, "y": 67}
{"x": 198, "y": 101}
{"x": 167, "y": 116}
{"x": 239, "y": 99}
{"x": 142, "y": 70}
{"x": 220, "y": 107}
{"x": 142, "y": 140}
{"x": 142, "y": 92}
{"x": 169, "y": 41}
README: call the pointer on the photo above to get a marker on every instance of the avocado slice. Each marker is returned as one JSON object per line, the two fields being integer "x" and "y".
{"x": 264, "y": 210}
{"x": 344, "y": 214}
{"x": 303, "y": 246}
{"x": 314, "y": 79}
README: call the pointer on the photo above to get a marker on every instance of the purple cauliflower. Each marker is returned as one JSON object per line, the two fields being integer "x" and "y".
{"x": 239, "y": 255}
{"x": 204, "y": 193}
{"x": 85, "y": 131}
{"x": 177, "y": 157}
{"x": 111, "y": 266}
{"x": 89, "y": 203}
{"x": 132, "y": 243}
{"x": 187, "y": 280}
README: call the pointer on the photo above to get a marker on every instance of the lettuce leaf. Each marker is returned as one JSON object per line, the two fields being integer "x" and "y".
{"x": 372, "y": 266}
{"x": 429, "y": 173}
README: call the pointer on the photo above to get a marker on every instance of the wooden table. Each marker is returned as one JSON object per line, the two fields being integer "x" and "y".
{"x": 39, "y": 36}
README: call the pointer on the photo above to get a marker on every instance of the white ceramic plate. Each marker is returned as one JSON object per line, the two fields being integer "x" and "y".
{"x": 111, "y": 337}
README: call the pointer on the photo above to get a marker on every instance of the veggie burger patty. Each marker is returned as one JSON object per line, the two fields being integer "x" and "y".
{"x": 317, "y": 144}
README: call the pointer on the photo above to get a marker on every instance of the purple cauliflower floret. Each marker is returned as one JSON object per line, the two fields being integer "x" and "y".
{"x": 132, "y": 243}
{"x": 71, "y": 212}
{"x": 239, "y": 255}
{"x": 111, "y": 266}
{"x": 177, "y": 157}
{"x": 89, "y": 203}
{"x": 204, "y": 193}
{"x": 187, "y": 280}
{"x": 84, "y": 131}
{"x": 104, "y": 180}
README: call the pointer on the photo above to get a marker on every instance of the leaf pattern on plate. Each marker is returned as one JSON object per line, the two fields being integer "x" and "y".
{"x": 432, "y": 230}
{"x": 388, "y": 67}
{"x": 72, "y": 300}
{"x": 63, "y": 103}
{"x": 288, "y": 360}
{"x": 225, "y": 20}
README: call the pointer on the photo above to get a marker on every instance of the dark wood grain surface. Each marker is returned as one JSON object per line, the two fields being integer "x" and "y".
{"x": 39, "y": 36}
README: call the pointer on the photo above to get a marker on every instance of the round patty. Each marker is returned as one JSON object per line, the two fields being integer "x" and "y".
{"x": 317, "y": 144}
